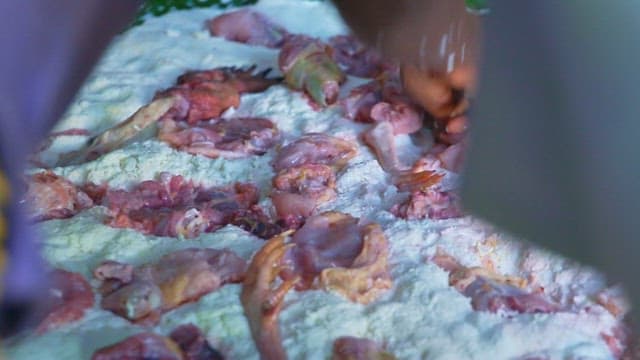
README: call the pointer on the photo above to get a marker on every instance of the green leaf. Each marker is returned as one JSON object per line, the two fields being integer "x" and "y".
{"x": 162, "y": 7}
{"x": 477, "y": 5}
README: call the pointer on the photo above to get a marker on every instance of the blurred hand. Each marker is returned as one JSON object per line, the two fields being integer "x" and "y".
{"x": 437, "y": 43}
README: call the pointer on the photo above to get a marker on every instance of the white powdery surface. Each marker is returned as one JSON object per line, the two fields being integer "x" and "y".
{"x": 420, "y": 317}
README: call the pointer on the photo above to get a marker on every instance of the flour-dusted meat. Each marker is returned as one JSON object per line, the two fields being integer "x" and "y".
{"x": 145, "y": 345}
{"x": 249, "y": 27}
{"x": 307, "y": 65}
{"x": 337, "y": 253}
{"x": 193, "y": 343}
{"x": 50, "y": 196}
{"x": 230, "y": 138}
{"x": 355, "y": 58}
{"x": 429, "y": 204}
{"x": 298, "y": 191}
{"x": 315, "y": 148}
{"x": 69, "y": 297}
{"x": 353, "y": 348}
{"x": 175, "y": 207}
{"x": 491, "y": 292}
{"x": 178, "y": 277}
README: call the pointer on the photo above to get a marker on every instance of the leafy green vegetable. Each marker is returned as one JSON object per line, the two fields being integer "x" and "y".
{"x": 162, "y": 7}
{"x": 479, "y": 6}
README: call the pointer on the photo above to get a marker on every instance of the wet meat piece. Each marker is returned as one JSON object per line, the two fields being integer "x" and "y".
{"x": 168, "y": 191}
{"x": 450, "y": 131}
{"x": 430, "y": 172}
{"x": 69, "y": 297}
{"x": 113, "y": 270}
{"x": 493, "y": 296}
{"x": 298, "y": 191}
{"x": 204, "y": 100}
{"x": 307, "y": 65}
{"x": 397, "y": 108}
{"x": 141, "y": 346}
{"x": 179, "y": 277}
{"x": 175, "y": 207}
{"x": 380, "y": 139}
{"x": 243, "y": 80}
{"x": 382, "y": 100}
{"x": 333, "y": 251}
{"x": 491, "y": 292}
{"x": 172, "y": 105}
{"x": 451, "y": 157}
{"x": 306, "y": 175}
{"x": 355, "y": 58}
{"x": 353, "y": 348}
{"x": 193, "y": 343}
{"x": 358, "y": 104}
{"x": 249, "y": 27}
{"x": 432, "y": 188}
{"x": 327, "y": 240}
{"x": 622, "y": 342}
{"x": 422, "y": 180}
{"x": 315, "y": 148}
{"x": 255, "y": 221}
{"x": 53, "y": 197}
{"x": 232, "y": 138}
{"x": 431, "y": 204}
{"x": 614, "y": 300}
{"x": 208, "y": 93}
{"x": 199, "y": 95}
{"x": 262, "y": 297}
{"x": 187, "y": 223}
{"x": 95, "y": 192}
{"x": 404, "y": 117}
